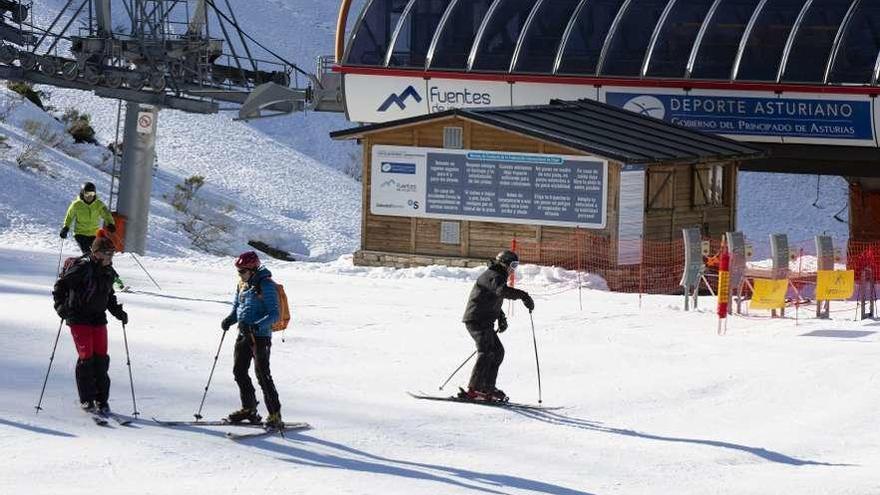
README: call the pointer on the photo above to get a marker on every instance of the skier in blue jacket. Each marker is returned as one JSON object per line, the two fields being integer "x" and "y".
{"x": 255, "y": 309}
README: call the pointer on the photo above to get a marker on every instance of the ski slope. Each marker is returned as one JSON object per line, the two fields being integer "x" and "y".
{"x": 654, "y": 401}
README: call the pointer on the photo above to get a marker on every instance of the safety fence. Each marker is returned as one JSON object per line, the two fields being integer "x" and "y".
{"x": 658, "y": 266}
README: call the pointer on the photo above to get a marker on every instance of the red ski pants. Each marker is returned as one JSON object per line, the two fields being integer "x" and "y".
{"x": 90, "y": 340}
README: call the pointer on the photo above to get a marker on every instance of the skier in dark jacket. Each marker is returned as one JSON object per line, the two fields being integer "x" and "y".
{"x": 483, "y": 309}
{"x": 255, "y": 309}
{"x": 82, "y": 294}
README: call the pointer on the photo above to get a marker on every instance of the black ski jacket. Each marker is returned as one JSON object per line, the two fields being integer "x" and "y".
{"x": 84, "y": 292}
{"x": 488, "y": 294}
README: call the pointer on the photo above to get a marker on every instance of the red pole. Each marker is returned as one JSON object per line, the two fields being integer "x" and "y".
{"x": 723, "y": 286}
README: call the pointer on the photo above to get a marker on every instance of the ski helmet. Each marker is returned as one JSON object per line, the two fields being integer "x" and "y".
{"x": 88, "y": 187}
{"x": 506, "y": 258}
{"x": 248, "y": 260}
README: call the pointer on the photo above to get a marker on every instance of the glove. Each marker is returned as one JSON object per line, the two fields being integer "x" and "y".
{"x": 227, "y": 322}
{"x": 63, "y": 233}
{"x": 122, "y": 316}
{"x": 502, "y": 323}
{"x": 110, "y": 228}
{"x": 528, "y": 301}
{"x": 62, "y": 311}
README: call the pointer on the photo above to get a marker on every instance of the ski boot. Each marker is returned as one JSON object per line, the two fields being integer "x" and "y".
{"x": 499, "y": 395}
{"x": 274, "y": 421}
{"x": 474, "y": 395}
{"x": 245, "y": 414}
{"x": 88, "y": 406}
{"x": 102, "y": 408}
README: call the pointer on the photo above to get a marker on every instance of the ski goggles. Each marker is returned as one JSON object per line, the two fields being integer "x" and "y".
{"x": 514, "y": 264}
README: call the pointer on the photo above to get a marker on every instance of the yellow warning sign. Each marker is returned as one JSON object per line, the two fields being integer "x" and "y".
{"x": 769, "y": 294}
{"x": 835, "y": 285}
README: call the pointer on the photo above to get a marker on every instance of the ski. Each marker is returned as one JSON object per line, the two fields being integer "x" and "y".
{"x": 98, "y": 419}
{"x": 222, "y": 422}
{"x": 120, "y": 420}
{"x": 213, "y": 423}
{"x": 499, "y": 404}
{"x": 269, "y": 431}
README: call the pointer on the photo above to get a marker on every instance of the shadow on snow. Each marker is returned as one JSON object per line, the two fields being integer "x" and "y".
{"x": 583, "y": 424}
{"x": 35, "y": 429}
{"x": 339, "y": 456}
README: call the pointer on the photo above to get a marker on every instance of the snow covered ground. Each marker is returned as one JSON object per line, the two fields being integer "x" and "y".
{"x": 654, "y": 402}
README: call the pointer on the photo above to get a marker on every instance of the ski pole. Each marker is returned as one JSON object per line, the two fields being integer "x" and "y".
{"x": 145, "y": 270}
{"x": 51, "y": 358}
{"x": 60, "y": 256}
{"x": 537, "y": 364}
{"x": 130, "y": 379}
{"x": 198, "y": 415}
{"x": 456, "y": 369}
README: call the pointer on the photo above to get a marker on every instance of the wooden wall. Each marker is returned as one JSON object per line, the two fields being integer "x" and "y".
{"x": 421, "y": 236}
{"x": 666, "y": 223}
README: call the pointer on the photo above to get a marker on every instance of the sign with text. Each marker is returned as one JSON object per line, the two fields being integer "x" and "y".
{"x": 835, "y": 285}
{"x": 812, "y": 118}
{"x": 769, "y": 293}
{"x": 527, "y": 188}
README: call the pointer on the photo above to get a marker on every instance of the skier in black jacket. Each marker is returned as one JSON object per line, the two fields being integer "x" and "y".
{"x": 483, "y": 309}
{"x": 82, "y": 294}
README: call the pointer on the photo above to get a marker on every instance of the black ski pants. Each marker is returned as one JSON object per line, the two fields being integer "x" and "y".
{"x": 250, "y": 348}
{"x": 92, "y": 380}
{"x": 490, "y": 354}
{"x": 84, "y": 242}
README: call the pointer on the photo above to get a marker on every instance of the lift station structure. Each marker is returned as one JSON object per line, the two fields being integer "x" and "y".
{"x": 188, "y": 55}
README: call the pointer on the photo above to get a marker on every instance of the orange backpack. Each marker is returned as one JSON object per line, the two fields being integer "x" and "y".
{"x": 283, "y": 309}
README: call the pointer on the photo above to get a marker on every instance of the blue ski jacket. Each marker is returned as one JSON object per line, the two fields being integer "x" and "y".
{"x": 256, "y": 303}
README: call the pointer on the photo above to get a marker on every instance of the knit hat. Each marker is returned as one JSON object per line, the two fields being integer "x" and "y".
{"x": 248, "y": 260}
{"x": 103, "y": 242}
{"x": 88, "y": 186}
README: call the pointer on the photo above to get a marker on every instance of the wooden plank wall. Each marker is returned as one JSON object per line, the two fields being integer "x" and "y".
{"x": 421, "y": 236}
{"x": 666, "y": 224}
{"x": 478, "y": 239}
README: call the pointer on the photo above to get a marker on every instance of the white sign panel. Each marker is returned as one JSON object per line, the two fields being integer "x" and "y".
{"x": 145, "y": 122}
{"x": 381, "y": 99}
{"x": 631, "y": 223}
{"x": 525, "y": 188}
{"x": 446, "y": 94}
{"x": 525, "y": 93}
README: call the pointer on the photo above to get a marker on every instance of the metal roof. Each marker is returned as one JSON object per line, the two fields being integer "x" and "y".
{"x": 594, "y": 128}
{"x": 822, "y": 42}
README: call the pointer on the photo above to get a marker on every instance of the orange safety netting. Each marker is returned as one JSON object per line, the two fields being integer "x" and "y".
{"x": 660, "y": 267}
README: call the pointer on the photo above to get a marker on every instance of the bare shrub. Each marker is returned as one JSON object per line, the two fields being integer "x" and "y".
{"x": 204, "y": 226}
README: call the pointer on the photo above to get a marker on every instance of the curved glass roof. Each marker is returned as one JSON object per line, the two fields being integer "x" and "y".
{"x": 790, "y": 41}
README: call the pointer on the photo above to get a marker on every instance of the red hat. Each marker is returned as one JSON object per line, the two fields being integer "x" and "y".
{"x": 248, "y": 260}
{"x": 103, "y": 242}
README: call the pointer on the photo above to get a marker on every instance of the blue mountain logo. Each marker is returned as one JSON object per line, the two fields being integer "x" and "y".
{"x": 400, "y": 100}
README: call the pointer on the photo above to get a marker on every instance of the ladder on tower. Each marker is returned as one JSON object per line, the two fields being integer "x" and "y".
{"x": 115, "y": 170}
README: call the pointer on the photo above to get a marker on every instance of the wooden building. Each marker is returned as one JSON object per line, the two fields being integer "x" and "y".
{"x": 465, "y": 182}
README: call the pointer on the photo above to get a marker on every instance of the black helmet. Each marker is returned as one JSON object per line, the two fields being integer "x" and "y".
{"x": 506, "y": 257}
{"x": 88, "y": 186}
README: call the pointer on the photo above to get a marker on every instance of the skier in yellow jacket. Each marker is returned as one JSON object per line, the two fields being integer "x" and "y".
{"x": 86, "y": 211}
